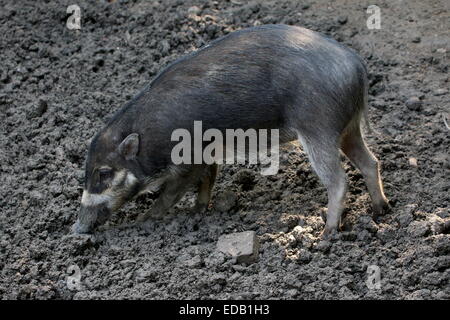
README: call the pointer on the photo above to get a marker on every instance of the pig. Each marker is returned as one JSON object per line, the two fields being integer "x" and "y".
{"x": 311, "y": 88}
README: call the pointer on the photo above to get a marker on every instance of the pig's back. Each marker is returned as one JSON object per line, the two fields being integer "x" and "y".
{"x": 259, "y": 74}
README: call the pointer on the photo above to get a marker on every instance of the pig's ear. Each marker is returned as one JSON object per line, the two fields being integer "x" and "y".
{"x": 129, "y": 147}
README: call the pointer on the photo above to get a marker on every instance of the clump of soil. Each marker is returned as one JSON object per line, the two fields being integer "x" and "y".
{"x": 59, "y": 86}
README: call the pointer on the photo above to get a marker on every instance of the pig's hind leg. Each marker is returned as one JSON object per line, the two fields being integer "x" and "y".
{"x": 324, "y": 156}
{"x": 354, "y": 147}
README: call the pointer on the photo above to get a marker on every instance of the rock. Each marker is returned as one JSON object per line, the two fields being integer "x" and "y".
{"x": 442, "y": 159}
{"x": 420, "y": 294}
{"x": 288, "y": 221}
{"x": 39, "y": 110}
{"x": 194, "y": 262}
{"x": 218, "y": 279}
{"x": 414, "y": 104}
{"x": 128, "y": 262}
{"x": 323, "y": 246}
{"x": 215, "y": 259}
{"x": 42, "y": 107}
{"x": 440, "y": 92}
{"x": 245, "y": 178}
{"x": 164, "y": 47}
{"x": 211, "y": 30}
{"x": 413, "y": 162}
{"x": 443, "y": 212}
{"x": 225, "y": 201}
{"x": 244, "y": 246}
{"x": 78, "y": 243}
{"x": 437, "y": 224}
{"x": 303, "y": 236}
{"x": 143, "y": 275}
{"x": 114, "y": 249}
{"x": 367, "y": 223}
{"x": 363, "y": 235}
{"x": 194, "y": 10}
{"x": 386, "y": 233}
{"x": 379, "y": 104}
{"x": 36, "y": 197}
{"x": 405, "y": 219}
{"x": 419, "y": 228}
{"x": 304, "y": 256}
{"x": 99, "y": 62}
{"x": 298, "y": 231}
{"x": 342, "y": 19}
{"x": 292, "y": 293}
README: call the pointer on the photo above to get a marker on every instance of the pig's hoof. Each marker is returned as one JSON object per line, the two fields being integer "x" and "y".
{"x": 199, "y": 208}
{"x": 381, "y": 209}
{"x": 328, "y": 232}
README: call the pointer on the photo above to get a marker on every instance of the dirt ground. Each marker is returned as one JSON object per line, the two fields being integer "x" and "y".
{"x": 59, "y": 86}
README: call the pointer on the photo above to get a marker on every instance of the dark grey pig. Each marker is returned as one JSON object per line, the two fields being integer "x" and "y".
{"x": 282, "y": 77}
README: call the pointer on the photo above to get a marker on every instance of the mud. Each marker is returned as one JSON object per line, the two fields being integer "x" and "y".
{"x": 59, "y": 86}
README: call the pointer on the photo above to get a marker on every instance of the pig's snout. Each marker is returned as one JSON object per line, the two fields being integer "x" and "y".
{"x": 90, "y": 217}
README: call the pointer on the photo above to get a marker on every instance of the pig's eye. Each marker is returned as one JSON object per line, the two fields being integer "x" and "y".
{"x": 105, "y": 173}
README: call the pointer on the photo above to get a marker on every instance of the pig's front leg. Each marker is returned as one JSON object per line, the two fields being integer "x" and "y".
{"x": 173, "y": 190}
{"x": 205, "y": 189}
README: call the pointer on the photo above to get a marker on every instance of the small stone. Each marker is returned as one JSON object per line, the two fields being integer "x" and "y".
{"x": 143, "y": 275}
{"x": 413, "y": 162}
{"x": 342, "y": 19}
{"x": 298, "y": 231}
{"x": 39, "y": 110}
{"x": 292, "y": 293}
{"x": 194, "y": 262}
{"x": 244, "y": 246}
{"x": 36, "y": 197}
{"x": 225, "y": 201}
{"x": 414, "y": 104}
{"x": 114, "y": 249}
{"x": 194, "y": 10}
{"x": 128, "y": 262}
{"x": 386, "y": 233}
{"x": 419, "y": 228}
{"x": 99, "y": 62}
{"x": 416, "y": 39}
{"x": 41, "y": 107}
{"x": 323, "y": 246}
{"x": 245, "y": 178}
{"x": 78, "y": 243}
{"x": 442, "y": 159}
{"x": 379, "y": 104}
{"x": 405, "y": 219}
{"x": 443, "y": 212}
{"x": 368, "y": 224}
{"x": 363, "y": 235}
{"x": 165, "y": 47}
{"x": 437, "y": 224}
{"x": 215, "y": 259}
{"x": 440, "y": 92}
{"x": 304, "y": 256}
{"x": 303, "y": 236}
{"x": 218, "y": 279}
